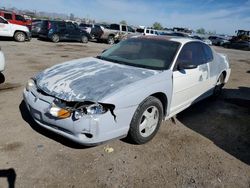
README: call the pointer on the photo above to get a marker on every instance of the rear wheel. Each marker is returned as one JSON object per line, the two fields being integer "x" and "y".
{"x": 219, "y": 86}
{"x": 55, "y": 38}
{"x": 20, "y": 36}
{"x": 146, "y": 120}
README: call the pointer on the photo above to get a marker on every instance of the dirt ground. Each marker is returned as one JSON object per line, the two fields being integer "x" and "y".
{"x": 208, "y": 145}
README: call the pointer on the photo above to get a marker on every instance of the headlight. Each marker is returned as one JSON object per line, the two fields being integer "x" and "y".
{"x": 30, "y": 84}
{"x": 59, "y": 112}
{"x": 95, "y": 109}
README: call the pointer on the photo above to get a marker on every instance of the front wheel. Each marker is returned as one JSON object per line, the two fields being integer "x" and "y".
{"x": 20, "y": 36}
{"x": 84, "y": 39}
{"x": 111, "y": 40}
{"x": 146, "y": 120}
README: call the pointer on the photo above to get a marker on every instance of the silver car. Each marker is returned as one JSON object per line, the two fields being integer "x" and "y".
{"x": 126, "y": 91}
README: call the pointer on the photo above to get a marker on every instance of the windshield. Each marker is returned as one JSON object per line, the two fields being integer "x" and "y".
{"x": 143, "y": 52}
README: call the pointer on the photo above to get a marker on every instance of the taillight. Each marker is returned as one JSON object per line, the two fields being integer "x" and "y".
{"x": 49, "y": 25}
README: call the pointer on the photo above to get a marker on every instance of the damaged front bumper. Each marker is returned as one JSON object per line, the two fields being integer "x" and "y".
{"x": 87, "y": 130}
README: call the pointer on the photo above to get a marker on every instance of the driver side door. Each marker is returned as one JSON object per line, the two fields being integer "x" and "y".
{"x": 190, "y": 79}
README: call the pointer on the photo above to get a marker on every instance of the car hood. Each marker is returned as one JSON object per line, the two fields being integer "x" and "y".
{"x": 88, "y": 79}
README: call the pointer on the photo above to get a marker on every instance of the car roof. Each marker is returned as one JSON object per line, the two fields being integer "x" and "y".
{"x": 182, "y": 40}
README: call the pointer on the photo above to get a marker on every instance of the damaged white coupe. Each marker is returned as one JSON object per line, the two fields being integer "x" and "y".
{"x": 126, "y": 91}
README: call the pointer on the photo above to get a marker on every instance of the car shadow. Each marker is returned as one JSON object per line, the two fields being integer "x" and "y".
{"x": 2, "y": 78}
{"x": 225, "y": 121}
{"x": 10, "y": 174}
{"x": 58, "y": 138}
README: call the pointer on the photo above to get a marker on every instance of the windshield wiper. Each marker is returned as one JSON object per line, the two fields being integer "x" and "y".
{"x": 111, "y": 60}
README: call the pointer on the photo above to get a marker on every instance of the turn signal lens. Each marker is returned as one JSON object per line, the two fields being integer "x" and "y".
{"x": 59, "y": 112}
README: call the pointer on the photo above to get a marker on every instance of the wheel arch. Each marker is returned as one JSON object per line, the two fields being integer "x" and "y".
{"x": 20, "y": 31}
{"x": 164, "y": 100}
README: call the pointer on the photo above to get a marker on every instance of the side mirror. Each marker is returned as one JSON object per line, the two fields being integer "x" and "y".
{"x": 6, "y": 22}
{"x": 182, "y": 66}
{"x": 104, "y": 50}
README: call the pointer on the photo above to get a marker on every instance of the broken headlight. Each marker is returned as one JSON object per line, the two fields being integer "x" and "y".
{"x": 30, "y": 84}
{"x": 95, "y": 109}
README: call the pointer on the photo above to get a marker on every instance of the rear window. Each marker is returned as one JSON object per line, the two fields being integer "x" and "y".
{"x": 8, "y": 16}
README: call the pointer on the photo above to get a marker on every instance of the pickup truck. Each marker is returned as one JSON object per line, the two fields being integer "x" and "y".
{"x": 111, "y": 33}
{"x": 18, "y": 32}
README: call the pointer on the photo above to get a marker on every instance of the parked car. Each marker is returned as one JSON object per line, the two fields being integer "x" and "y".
{"x": 175, "y": 34}
{"x": 86, "y": 27}
{"x": 219, "y": 41}
{"x": 15, "y": 18}
{"x": 111, "y": 34}
{"x": 207, "y": 41}
{"x": 146, "y": 31}
{"x": 2, "y": 66}
{"x": 36, "y": 27}
{"x": 62, "y": 31}
{"x": 126, "y": 91}
{"x": 18, "y": 32}
{"x": 243, "y": 45}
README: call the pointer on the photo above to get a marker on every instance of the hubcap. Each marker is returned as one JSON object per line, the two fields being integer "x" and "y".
{"x": 149, "y": 121}
{"x": 20, "y": 37}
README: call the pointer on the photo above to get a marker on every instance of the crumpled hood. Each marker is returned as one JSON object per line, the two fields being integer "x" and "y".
{"x": 88, "y": 79}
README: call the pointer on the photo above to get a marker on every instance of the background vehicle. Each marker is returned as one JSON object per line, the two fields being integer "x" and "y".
{"x": 147, "y": 31}
{"x": 18, "y": 32}
{"x": 86, "y": 27}
{"x": 241, "y": 35}
{"x": 217, "y": 40}
{"x": 36, "y": 27}
{"x": 61, "y": 31}
{"x": 207, "y": 41}
{"x": 112, "y": 33}
{"x": 243, "y": 45}
{"x": 175, "y": 34}
{"x": 2, "y": 66}
{"x": 15, "y": 18}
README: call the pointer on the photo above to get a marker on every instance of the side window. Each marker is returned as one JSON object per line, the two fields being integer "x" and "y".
{"x": 130, "y": 29}
{"x": 70, "y": 26}
{"x": 124, "y": 28}
{"x": 192, "y": 53}
{"x": 152, "y": 31}
{"x": 208, "y": 53}
{"x": 20, "y": 18}
{"x": 8, "y": 16}
{"x": 147, "y": 31}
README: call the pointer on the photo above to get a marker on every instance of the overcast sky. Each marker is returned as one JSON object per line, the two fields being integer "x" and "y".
{"x": 224, "y": 16}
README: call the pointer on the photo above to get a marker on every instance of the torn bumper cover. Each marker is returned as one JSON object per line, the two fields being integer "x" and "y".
{"x": 86, "y": 128}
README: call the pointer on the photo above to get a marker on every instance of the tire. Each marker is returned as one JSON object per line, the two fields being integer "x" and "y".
{"x": 84, "y": 39}
{"x": 20, "y": 36}
{"x": 146, "y": 121}
{"x": 2, "y": 78}
{"x": 55, "y": 38}
{"x": 219, "y": 85}
{"x": 111, "y": 40}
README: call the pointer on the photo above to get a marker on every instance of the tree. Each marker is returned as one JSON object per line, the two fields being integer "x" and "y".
{"x": 71, "y": 16}
{"x": 157, "y": 26}
{"x": 123, "y": 22}
{"x": 201, "y": 31}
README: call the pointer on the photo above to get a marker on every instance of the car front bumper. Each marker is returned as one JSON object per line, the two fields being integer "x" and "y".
{"x": 88, "y": 130}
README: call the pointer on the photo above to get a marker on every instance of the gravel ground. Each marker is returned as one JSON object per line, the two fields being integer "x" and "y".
{"x": 207, "y": 145}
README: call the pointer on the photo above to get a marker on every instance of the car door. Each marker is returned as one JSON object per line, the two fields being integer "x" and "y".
{"x": 189, "y": 83}
{"x": 73, "y": 31}
{"x": 5, "y": 28}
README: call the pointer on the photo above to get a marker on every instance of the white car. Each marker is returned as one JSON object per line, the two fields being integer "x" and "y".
{"x": 126, "y": 91}
{"x": 2, "y": 66}
{"x": 18, "y": 32}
